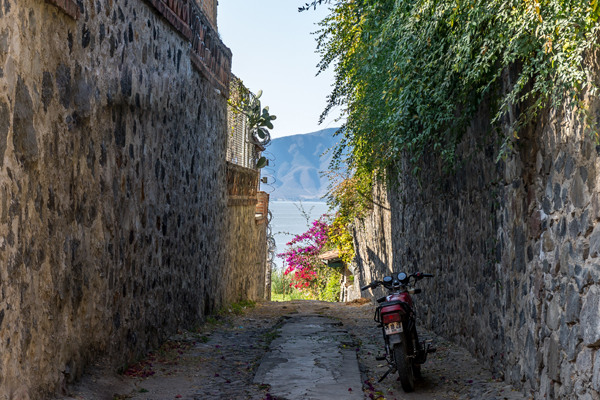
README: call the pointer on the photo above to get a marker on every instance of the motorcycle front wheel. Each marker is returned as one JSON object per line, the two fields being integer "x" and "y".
{"x": 404, "y": 367}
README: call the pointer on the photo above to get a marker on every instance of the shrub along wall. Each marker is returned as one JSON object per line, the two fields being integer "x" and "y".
{"x": 114, "y": 224}
{"x": 515, "y": 248}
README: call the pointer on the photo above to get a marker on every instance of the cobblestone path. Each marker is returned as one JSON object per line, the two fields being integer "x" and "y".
{"x": 221, "y": 361}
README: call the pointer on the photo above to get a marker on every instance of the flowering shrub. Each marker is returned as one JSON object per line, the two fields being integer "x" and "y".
{"x": 301, "y": 257}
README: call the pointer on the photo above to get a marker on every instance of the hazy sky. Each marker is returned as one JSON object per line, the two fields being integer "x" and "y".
{"x": 273, "y": 50}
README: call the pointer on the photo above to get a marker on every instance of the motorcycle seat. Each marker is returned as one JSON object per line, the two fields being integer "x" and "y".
{"x": 392, "y": 303}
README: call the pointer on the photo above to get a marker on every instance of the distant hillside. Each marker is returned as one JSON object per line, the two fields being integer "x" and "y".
{"x": 298, "y": 163}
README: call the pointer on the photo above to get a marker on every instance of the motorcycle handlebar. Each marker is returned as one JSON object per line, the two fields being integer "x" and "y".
{"x": 370, "y": 286}
{"x": 428, "y": 275}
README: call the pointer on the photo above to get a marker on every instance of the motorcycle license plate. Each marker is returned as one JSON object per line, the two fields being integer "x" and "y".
{"x": 394, "y": 327}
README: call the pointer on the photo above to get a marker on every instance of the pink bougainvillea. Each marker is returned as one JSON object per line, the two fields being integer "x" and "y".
{"x": 301, "y": 258}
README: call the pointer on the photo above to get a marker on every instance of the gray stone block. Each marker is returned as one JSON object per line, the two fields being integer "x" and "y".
{"x": 573, "y": 306}
{"x": 559, "y": 164}
{"x": 577, "y": 191}
{"x": 563, "y": 335}
{"x": 584, "y": 363}
{"x": 582, "y": 276}
{"x": 596, "y": 373}
{"x": 574, "y": 341}
{"x": 553, "y": 314}
{"x": 590, "y": 318}
{"x": 595, "y": 242}
{"x": 570, "y": 165}
{"x": 565, "y": 376}
{"x": 554, "y": 359}
{"x": 574, "y": 228}
{"x": 556, "y": 196}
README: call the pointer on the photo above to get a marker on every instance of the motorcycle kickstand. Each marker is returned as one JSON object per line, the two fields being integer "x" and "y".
{"x": 391, "y": 370}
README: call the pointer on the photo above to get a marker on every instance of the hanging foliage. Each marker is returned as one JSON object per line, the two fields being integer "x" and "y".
{"x": 411, "y": 75}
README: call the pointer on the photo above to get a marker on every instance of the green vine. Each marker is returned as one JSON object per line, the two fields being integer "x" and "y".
{"x": 352, "y": 197}
{"x": 411, "y": 74}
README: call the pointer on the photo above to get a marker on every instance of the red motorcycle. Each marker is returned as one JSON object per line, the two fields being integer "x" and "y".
{"x": 396, "y": 316}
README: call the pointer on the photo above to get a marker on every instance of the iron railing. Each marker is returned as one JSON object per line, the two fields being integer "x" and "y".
{"x": 243, "y": 148}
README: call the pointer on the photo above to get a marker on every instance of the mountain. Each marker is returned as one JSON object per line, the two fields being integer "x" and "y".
{"x": 296, "y": 163}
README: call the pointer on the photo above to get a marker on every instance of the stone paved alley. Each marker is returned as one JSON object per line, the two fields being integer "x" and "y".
{"x": 223, "y": 361}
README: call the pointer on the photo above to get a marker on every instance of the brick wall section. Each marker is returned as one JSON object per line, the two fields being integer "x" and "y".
{"x": 177, "y": 12}
{"x": 209, "y": 8}
{"x": 209, "y": 54}
{"x": 514, "y": 246}
{"x": 242, "y": 185}
{"x": 114, "y": 224}
{"x": 263, "y": 203}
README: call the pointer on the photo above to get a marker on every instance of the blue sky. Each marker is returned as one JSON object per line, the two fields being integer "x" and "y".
{"x": 273, "y": 50}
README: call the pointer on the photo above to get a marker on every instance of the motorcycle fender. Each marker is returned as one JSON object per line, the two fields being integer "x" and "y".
{"x": 395, "y": 338}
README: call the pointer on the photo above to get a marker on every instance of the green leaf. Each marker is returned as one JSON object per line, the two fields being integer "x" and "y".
{"x": 262, "y": 162}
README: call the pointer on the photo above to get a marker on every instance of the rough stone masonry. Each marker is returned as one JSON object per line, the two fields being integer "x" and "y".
{"x": 114, "y": 224}
{"x": 515, "y": 248}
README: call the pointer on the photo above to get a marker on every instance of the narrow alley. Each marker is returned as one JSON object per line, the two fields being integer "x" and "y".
{"x": 151, "y": 203}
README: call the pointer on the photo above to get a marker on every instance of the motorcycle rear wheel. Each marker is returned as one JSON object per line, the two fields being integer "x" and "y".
{"x": 404, "y": 367}
{"x": 417, "y": 372}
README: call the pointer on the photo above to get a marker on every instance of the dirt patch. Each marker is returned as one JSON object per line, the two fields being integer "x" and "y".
{"x": 358, "y": 302}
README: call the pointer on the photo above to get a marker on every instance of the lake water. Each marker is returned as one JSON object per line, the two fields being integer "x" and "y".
{"x": 288, "y": 221}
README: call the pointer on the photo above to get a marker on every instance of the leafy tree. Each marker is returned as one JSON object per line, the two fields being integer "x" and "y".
{"x": 313, "y": 5}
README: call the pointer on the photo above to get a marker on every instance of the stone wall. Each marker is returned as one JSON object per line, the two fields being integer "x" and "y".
{"x": 514, "y": 247}
{"x": 114, "y": 224}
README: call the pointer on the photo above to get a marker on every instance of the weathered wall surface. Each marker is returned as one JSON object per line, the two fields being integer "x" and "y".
{"x": 515, "y": 248}
{"x": 373, "y": 245}
{"x": 113, "y": 197}
{"x": 247, "y": 254}
{"x": 247, "y": 234}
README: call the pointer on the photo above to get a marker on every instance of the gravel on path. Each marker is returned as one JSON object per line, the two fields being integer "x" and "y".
{"x": 220, "y": 361}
